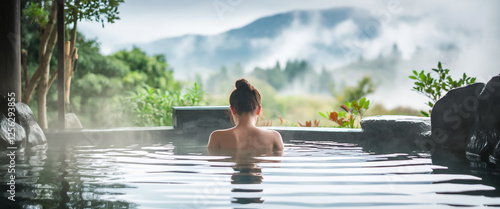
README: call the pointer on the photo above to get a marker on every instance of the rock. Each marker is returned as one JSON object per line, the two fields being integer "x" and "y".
{"x": 495, "y": 156}
{"x": 4, "y": 104}
{"x": 398, "y": 131}
{"x": 26, "y": 130}
{"x": 453, "y": 117}
{"x": 485, "y": 135}
{"x": 466, "y": 121}
{"x": 196, "y": 119}
{"x": 11, "y": 131}
{"x": 72, "y": 121}
{"x": 34, "y": 134}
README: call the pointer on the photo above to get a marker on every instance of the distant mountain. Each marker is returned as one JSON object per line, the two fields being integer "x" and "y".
{"x": 347, "y": 42}
{"x": 317, "y": 36}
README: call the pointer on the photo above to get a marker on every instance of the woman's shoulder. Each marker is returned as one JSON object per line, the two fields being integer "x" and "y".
{"x": 219, "y": 137}
{"x": 276, "y": 140}
{"x": 272, "y": 133}
{"x": 221, "y": 132}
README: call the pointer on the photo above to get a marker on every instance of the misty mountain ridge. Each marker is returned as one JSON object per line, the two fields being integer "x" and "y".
{"x": 315, "y": 36}
{"x": 348, "y": 42}
{"x": 328, "y": 38}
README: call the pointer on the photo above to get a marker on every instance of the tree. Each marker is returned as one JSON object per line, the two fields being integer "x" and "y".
{"x": 44, "y": 14}
{"x": 365, "y": 86}
{"x": 151, "y": 70}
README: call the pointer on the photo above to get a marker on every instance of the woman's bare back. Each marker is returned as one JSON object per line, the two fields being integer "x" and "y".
{"x": 246, "y": 138}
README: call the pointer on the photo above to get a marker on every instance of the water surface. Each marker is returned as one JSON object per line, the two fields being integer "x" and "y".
{"x": 179, "y": 173}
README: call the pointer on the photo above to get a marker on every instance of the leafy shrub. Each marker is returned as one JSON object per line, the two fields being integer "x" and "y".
{"x": 433, "y": 88}
{"x": 351, "y": 111}
{"x": 153, "y": 107}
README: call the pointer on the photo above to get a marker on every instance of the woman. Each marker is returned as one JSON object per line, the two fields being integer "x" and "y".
{"x": 245, "y": 107}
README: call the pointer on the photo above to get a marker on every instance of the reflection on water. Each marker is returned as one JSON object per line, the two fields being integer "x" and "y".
{"x": 24, "y": 178}
{"x": 182, "y": 174}
{"x": 246, "y": 173}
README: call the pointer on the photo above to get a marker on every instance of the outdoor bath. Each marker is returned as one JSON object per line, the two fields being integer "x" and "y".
{"x": 154, "y": 104}
{"x": 167, "y": 167}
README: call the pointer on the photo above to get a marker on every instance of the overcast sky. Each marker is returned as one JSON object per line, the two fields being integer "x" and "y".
{"x": 148, "y": 20}
{"x": 473, "y": 25}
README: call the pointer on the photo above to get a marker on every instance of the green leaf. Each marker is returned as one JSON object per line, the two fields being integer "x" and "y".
{"x": 423, "y": 78}
{"x": 439, "y": 65}
{"x": 354, "y": 103}
{"x": 413, "y": 77}
{"x": 348, "y": 104}
{"x": 367, "y": 104}
{"x": 415, "y": 72}
{"x": 424, "y": 113}
{"x": 362, "y": 102}
{"x": 322, "y": 115}
{"x": 451, "y": 81}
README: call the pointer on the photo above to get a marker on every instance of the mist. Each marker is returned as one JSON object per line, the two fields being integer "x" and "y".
{"x": 463, "y": 35}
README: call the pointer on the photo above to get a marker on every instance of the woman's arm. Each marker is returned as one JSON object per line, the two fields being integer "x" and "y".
{"x": 278, "y": 142}
{"x": 213, "y": 141}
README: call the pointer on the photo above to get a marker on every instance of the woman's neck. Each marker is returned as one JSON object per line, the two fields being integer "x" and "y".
{"x": 246, "y": 119}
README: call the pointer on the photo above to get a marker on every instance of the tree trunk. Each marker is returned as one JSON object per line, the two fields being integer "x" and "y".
{"x": 42, "y": 98}
{"x": 71, "y": 59}
{"x": 46, "y": 35}
{"x": 43, "y": 86}
{"x": 67, "y": 70}
{"x": 24, "y": 54}
{"x": 71, "y": 56}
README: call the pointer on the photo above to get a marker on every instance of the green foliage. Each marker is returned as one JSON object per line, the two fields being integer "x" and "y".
{"x": 101, "y": 83}
{"x": 36, "y": 13}
{"x": 433, "y": 88}
{"x": 153, "y": 107}
{"x": 90, "y": 10}
{"x": 351, "y": 111}
{"x": 93, "y": 10}
{"x": 274, "y": 76}
{"x": 297, "y": 70}
{"x": 151, "y": 70}
{"x": 365, "y": 86}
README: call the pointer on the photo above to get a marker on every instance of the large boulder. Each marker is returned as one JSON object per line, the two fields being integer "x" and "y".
{"x": 34, "y": 134}
{"x": 453, "y": 118}
{"x": 11, "y": 134}
{"x": 18, "y": 124}
{"x": 466, "y": 121}
{"x": 485, "y": 136}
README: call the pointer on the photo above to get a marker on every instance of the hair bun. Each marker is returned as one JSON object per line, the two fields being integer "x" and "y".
{"x": 243, "y": 84}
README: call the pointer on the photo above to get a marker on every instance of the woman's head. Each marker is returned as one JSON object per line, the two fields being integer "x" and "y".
{"x": 245, "y": 98}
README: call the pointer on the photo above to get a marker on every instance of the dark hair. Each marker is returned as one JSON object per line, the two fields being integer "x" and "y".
{"x": 245, "y": 98}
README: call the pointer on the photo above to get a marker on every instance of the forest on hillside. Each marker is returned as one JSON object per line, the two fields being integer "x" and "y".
{"x": 133, "y": 88}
